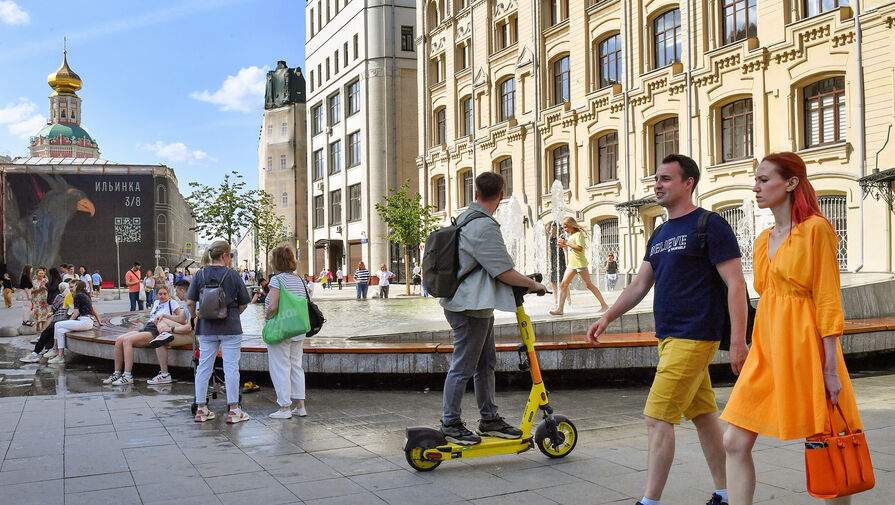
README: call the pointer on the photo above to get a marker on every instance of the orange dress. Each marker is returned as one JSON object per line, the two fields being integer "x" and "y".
{"x": 780, "y": 391}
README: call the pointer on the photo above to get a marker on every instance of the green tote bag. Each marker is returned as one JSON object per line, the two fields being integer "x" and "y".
{"x": 292, "y": 318}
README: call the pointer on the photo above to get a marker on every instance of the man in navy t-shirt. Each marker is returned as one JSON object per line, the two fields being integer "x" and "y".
{"x": 691, "y": 282}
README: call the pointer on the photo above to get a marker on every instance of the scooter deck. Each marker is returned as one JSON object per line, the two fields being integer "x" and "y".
{"x": 489, "y": 446}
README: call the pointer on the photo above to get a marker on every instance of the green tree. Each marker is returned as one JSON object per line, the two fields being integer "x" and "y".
{"x": 270, "y": 227}
{"x": 408, "y": 220}
{"x": 221, "y": 211}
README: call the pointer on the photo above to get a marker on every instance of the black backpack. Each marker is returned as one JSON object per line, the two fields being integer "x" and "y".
{"x": 702, "y": 240}
{"x": 441, "y": 261}
{"x": 212, "y": 299}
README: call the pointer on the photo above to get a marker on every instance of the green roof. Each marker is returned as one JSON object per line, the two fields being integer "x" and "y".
{"x": 52, "y": 131}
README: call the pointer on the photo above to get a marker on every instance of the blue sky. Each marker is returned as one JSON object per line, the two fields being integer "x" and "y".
{"x": 173, "y": 82}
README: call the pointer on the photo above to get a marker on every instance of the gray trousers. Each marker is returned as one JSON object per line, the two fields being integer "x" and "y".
{"x": 474, "y": 356}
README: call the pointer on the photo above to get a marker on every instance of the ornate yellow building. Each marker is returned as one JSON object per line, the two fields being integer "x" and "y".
{"x": 593, "y": 94}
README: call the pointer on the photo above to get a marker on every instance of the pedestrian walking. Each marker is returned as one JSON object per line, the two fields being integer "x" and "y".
{"x": 470, "y": 312}
{"x": 323, "y": 278}
{"x": 97, "y": 283}
{"x": 284, "y": 358}
{"x": 339, "y": 277}
{"x": 149, "y": 288}
{"x": 361, "y": 280}
{"x": 384, "y": 275}
{"x": 795, "y": 365}
{"x": 557, "y": 259}
{"x": 575, "y": 245}
{"x": 417, "y": 276}
{"x": 8, "y": 290}
{"x": 219, "y": 334}
{"x": 689, "y": 333}
{"x": 134, "y": 286}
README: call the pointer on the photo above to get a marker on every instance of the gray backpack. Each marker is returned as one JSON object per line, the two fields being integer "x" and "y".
{"x": 212, "y": 299}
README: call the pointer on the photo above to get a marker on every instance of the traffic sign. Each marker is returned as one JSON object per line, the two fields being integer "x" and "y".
{"x": 189, "y": 247}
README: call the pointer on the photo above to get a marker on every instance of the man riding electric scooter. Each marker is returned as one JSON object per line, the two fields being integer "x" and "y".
{"x": 486, "y": 274}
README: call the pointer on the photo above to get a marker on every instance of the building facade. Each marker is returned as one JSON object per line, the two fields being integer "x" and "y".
{"x": 591, "y": 95}
{"x": 362, "y": 127}
{"x": 282, "y": 155}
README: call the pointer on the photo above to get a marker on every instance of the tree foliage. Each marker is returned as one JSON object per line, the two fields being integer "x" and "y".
{"x": 270, "y": 227}
{"x": 221, "y": 211}
{"x": 408, "y": 220}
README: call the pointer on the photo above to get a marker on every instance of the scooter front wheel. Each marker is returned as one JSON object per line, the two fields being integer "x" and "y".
{"x": 566, "y": 440}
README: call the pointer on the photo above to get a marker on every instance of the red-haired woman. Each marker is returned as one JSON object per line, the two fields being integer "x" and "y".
{"x": 796, "y": 362}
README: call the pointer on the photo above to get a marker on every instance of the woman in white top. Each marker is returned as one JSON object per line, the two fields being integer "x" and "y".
{"x": 284, "y": 358}
{"x": 148, "y": 285}
{"x": 163, "y": 308}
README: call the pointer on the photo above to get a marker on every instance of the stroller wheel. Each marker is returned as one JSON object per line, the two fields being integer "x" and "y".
{"x": 194, "y": 407}
{"x": 214, "y": 395}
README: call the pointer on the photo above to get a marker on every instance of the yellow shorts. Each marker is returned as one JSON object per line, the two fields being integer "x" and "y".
{"x": 682, "y": 385}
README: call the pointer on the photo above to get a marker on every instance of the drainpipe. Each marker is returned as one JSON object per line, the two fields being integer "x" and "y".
{"x": 394, "y": 112}
{"x": 626, "y": 82}
{"x": 424, "y": 64}
{"x": 475, "y": 124}
{"x": 689, "y": 67}
{"x": 535, "y": 73}
{"x": 862, "y": 147}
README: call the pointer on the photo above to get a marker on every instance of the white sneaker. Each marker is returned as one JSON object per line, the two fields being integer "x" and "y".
{"x": 281, "y": 414}
{"x": 112, "y": 378}
{"x": 162, "y": 339}
{"x": 234, "y": 416}
{"x": 160, "y": 379}
{"x": 300, "y": 412}
{"x": 30, "y": 358}
{"x": 58, "y": 360}
{"x": 51, "y": 354}
{"x": 124, "y": 380}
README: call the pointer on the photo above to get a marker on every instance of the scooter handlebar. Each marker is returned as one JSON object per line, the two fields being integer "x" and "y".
{"x": 519, "y": 292}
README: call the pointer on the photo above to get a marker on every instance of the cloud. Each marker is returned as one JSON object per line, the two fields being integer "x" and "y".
{"x": 20, "y": 118}
{"x": 243, "y": 92}
{"x": 177, "y": 152}
{"x": 12, "y": 14}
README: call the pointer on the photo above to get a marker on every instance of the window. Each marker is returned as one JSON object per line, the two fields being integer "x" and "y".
{"x": 319, "y": 76}
{"x": 336, "y": 62}
{"x": 835, "y": 210}
{"x": 507, "y": 99}
{"x": 312, "y": 80}
{"x": 161, "y": 228}
{"x": 610, "y": 65}
{"x": 667, "y": 30}
{"x": 345, "y": 55}
{"x": 269, "y": 130}
{"x": 736, "y": 130}
{"x": 354, "y": 149}
{"x": 317, "y": 119}
{"x": 269, "y": 163}
{"x": 162, "y": 195}
{"x": 284, "y": 129}
{"x": 466, "y": 117}
{"x": 328, "y": 17}
{"x": 319, "y": 16}
{"x": 335, "y": 157}
{"x": 815, "y": 7}
{"x": 327, "y": 69}
{"x": 505, "y": 168}
{"x": 825, "y": 112}
{"x": 441, "y": 126}
{"x": 355, "y": 46}
{"x": 318, "y": 164}
{"x": 465, "y": 195}
{"x": 559, "y": 11}
{"x": 354, "y": 209}
{"x": 353, "y": 98}
{"x": 461, "y": 60}
{"x": 665, "y": 137}
{"x": 739, "y": 20}
{"x": 561, "y": 80}
{"x": 439, "y": 194}
{"x": 335, "y": 207}
{"x": 461, "y": 4}
{"x": 501, "y": 35}
{"x": 407, "y": 38}
{"x": 318, "y": 211}
{"x": 312, "y": 21}
{"x": 285, "y": 200}
{"x": 335, "y": 109}
{"x": 282, "y": 162}
{"x": 437, "y": 69}
{"x": 561, "y": 165}
{"x": 605, "y": 152}
{"x": 336, "y": 6}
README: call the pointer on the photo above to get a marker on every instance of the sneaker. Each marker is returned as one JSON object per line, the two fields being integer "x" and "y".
{"x": 30, "y": 358}
{"x": 58, "y": 360}
{"x": 281, "y": 414}
{"x": 160, "y": 379}
{"x": 203, "y": 415}
{"x": 162, "y": 339}
{"x": 52, "y": 353}
{"x": 236, "y": 416}
{"x": 300, "y": 412}
{"x": 457, "y": 433}
{"x": 715, "y": 500}
{"x": 124, "y": 380}
{"x": 498, "y": 428}
{"x": 112, "y": 378}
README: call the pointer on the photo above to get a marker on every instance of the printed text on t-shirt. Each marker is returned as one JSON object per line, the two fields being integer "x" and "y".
{"x": 672, "y": 244}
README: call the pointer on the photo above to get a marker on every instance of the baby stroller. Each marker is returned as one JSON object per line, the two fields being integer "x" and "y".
{"x": 216, "y": 381}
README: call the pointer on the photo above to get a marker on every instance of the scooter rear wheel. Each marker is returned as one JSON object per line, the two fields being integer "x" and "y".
{"x": 415, "y": 459}
{"x": 568, "y": 438}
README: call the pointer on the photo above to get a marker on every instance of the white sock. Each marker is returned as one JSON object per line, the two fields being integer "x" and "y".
{"x": 127, "y": 374}
{"x": 33, "y": 353}
{"x": 722, "y": 493}
{"x": 647, "y": 501}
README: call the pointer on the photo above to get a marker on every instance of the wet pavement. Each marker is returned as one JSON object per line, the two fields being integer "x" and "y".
{"x": 65, "y": 438}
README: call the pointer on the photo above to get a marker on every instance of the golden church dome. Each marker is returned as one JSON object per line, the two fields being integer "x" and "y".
{"x": 64, "y": 80}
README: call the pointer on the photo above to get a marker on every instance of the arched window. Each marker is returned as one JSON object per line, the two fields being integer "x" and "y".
{"x": 161, "y": 229}
{"x": 285, "y": 198}
{"x": 466, "y": 193}
{"x": 561, "y": 165}
{"x": 609, "y": 64}
{"x": 561, "y": 80}
{"x": 161, "y": 194}
{"x": 825, "y": 112}
{"x": 665, "y": 140}
{"x": 736, "y": 130}
{"x": 667, "y": 34}
{"x": 441, "y": 126}
{"x": 505, "y": 168}
{"x": 604, "y": 158}
{"x": 507, "y": 99}
{"x": 433, "y": 15}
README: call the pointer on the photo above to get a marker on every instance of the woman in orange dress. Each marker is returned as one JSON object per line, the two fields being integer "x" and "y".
{"x": 796, "y": 361}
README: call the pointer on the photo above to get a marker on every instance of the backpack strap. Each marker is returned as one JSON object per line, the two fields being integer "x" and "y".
{"x": 475, "y": 215}
{"x": 701, "y": 227}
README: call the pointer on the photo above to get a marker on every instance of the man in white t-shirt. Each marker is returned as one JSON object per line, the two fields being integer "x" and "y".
{"x": 339, "y": 277}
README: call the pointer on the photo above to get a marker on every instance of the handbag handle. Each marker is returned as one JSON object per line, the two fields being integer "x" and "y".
{"x": 833, "y": 433}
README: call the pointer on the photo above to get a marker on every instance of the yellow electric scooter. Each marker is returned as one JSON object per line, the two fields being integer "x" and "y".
{"x": 425, "y": 448}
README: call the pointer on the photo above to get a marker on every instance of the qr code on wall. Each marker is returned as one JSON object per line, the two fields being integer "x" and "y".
{"x": 128, "y": 229}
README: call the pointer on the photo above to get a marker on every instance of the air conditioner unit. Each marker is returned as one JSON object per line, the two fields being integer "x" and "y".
{"x": 320, "y": 186}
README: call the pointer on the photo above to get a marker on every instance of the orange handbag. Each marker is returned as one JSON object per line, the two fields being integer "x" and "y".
{"x": 838, "y": 465}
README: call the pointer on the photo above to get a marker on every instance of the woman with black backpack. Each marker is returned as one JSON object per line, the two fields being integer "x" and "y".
{"x": 221, "y": 297}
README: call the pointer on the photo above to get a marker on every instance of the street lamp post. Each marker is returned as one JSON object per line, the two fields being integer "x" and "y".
{"x": 157, "y": 255}
{"x": 118, "y": 256}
